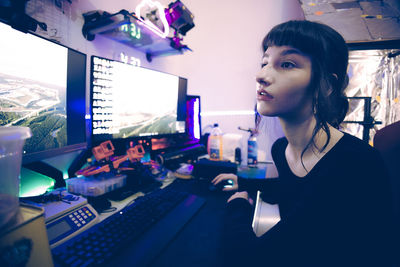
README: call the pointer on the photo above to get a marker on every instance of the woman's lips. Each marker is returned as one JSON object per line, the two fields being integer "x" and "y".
{"x": 263, "y": 95}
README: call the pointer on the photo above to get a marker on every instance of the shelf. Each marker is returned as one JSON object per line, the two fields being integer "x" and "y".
{"x": 127, "y": 29}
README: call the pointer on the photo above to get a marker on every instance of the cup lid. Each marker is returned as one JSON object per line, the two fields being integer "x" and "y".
{"x": 14, "y": 133}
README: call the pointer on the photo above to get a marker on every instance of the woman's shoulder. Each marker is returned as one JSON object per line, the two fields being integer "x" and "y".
{"x": 279, "y": 144}
{"x": 278, "y": 151}
{"x": 351, "y": 150}
{"x": 353, "y": 145}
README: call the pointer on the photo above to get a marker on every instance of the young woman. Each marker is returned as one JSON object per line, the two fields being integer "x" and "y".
{"x": 333, "y": 190}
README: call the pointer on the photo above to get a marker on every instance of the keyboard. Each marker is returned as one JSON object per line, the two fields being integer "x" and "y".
{"x": 133, "y": 236}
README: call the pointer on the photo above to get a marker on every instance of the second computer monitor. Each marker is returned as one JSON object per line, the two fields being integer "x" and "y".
{"x": 130, "y": 101}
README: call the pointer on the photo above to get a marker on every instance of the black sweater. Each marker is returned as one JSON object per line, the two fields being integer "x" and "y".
{"x": 339, "y": 214}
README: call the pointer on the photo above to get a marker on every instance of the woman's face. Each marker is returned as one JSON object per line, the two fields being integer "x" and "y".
{"x": 283, "y": 82}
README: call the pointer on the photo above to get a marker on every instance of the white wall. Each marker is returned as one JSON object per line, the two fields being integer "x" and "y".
{"x": 227, "y": 53}
{"x": 226, "y": 44}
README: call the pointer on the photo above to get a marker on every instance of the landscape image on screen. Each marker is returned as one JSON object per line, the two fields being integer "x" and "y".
{"x": 147, "y": 105}
{"x": 132, "y": 101}
{"x": 33, "y": 80}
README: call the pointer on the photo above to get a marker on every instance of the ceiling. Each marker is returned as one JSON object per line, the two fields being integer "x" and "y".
{"x": 357, "y": 20}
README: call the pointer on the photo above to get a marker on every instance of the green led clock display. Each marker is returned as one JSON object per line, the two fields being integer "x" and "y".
{"x": 133, "y": 30}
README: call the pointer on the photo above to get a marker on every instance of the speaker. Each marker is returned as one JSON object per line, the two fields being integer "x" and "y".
{"x": 208, "y": 169}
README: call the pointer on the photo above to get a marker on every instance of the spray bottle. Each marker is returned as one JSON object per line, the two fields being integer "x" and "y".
{"x": 252, "y": 148}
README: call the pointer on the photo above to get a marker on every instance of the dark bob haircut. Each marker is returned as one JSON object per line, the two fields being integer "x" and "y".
{"x": 329, "y": 59}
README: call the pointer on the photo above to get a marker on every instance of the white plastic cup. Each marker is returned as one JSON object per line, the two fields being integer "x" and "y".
{"x": 12, "y": 140}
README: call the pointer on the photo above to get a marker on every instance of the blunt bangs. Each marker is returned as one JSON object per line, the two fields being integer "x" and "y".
{"x": 296, "y": 35}
{"x": 326, "y": 47}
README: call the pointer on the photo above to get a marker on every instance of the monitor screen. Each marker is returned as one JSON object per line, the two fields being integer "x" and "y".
{"x": 193, "y": 118}
{"x": 130, "y": 101}
{"x": 42, "y": 86}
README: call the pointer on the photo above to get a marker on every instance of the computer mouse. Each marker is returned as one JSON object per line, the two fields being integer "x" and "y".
{"x": 221, "y": 185}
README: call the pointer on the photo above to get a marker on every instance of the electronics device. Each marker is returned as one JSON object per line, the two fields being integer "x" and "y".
{"x": 66, "y": 215}
{"x": 169, "y": 149}
{"x": 133, "y": 236}
{"x": 179, "y": 17}
{"x": 221, "y": 185}
{"x": 193, "y": 118}
{"x": 69, "y": 221}
{"x": 173, "y": 159}
{"x": 130, "y": 101}
{"x": 42, "y": 86}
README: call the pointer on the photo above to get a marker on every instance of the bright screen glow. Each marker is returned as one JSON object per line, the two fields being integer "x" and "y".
{"x": 33, "y": 82}
{"x": 34, "y": 76}
{"x": 130, "y": 101}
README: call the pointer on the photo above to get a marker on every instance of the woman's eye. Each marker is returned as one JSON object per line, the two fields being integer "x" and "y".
{"x": 287, "y": 65}
{"x": 263, "y": 65}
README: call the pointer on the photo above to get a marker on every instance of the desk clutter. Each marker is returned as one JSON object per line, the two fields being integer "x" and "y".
{"x": 119, "y": 203}
{"x": 82, "y": 182}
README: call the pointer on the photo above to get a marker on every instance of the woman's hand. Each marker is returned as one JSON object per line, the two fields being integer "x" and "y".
{"x": 242, "y": 194}
{"x": 224, "y": 177}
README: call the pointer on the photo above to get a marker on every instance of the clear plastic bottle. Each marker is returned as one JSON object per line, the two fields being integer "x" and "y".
{"x": 215, "y": 143}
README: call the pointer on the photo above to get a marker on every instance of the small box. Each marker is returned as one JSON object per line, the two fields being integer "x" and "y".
{"x": 95, "y": 186}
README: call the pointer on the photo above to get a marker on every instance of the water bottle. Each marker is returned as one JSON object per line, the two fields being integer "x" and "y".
{"x": 215, "y": 143}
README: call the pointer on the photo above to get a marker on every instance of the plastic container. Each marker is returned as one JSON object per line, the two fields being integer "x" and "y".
{"x": 215, "y": 143}
{"x": 95, "y": 186}
{"x": 12, "y": 140}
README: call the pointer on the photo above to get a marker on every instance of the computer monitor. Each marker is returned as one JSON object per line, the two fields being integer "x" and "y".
{"x": 134, "y": 102}
{"x": 192, "y": 134}
{"x": 42, "y": 86}
{"x": 193, "y": 118}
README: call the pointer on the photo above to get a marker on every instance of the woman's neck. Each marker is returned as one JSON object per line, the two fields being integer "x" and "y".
{"x": 299, "y": 134}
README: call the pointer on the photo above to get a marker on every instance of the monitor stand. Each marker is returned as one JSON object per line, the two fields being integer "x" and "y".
{"x": 48, "y": 170}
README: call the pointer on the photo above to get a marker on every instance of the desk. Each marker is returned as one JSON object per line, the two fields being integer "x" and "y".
{"x": 198, "y": 243}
